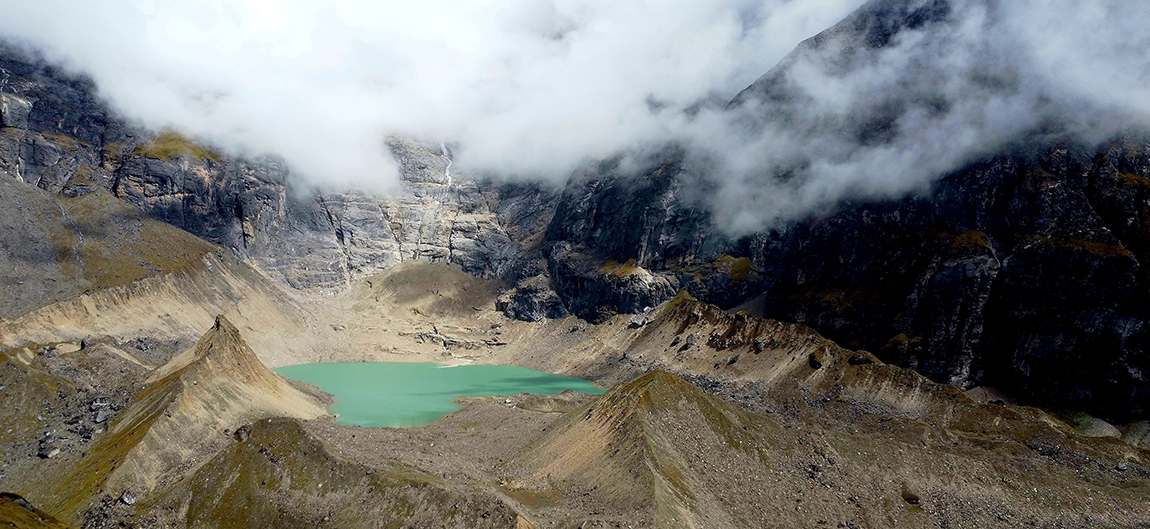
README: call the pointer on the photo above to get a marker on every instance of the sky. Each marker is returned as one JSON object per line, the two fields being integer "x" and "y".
{"x": 532, "y": 89}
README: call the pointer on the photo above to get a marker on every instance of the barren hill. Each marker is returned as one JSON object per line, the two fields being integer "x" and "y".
{"x": 215, "y": 387}
{"x": 657, "y": 446}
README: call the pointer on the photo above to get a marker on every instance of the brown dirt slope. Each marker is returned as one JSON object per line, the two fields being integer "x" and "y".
{"x": 174, "y": 308}
{"x": 841, "y": 439}
{"x": 637, "y": 449}
{"x": 217, "y": 386}
{"x": 283, "y": 476}
{"x": 659, "y": 452}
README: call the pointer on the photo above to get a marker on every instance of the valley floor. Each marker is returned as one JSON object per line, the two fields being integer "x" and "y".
{"x": 117, "y": 411}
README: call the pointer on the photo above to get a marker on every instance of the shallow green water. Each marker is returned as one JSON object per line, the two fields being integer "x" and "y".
{"x": 414, "y": 394}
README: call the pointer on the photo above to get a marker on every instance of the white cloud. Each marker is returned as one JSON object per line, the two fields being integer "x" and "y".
{"x": 525, "y": 87}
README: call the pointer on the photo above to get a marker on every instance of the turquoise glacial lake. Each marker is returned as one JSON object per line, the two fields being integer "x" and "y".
{"x": 377, "y": 394}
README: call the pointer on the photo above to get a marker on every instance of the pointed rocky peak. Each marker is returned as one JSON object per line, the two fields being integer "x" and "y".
{"x": 630, "y": 446}
{"x": 221, "y": 351}
{"x": 218, "y": 385}
{"x": 654, "y": 391}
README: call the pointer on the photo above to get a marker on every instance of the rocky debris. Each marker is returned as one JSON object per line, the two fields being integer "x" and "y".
{"x": 107, "y": 513}
{"x": 85, "y": 431}
{"x": 46, "y": 445}
{"x": 641, "y": 318}
{"x": 449, "y": 341}
{"x": 127, "y": 497}
{"x": 720, "y": 341}
{"x": 153, "y": 351}
{"x": 99, "y": 402}
{"x": 758, "y": 345}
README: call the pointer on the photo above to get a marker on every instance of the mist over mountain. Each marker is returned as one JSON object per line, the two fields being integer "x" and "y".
{"x": 533, "y": 90}
{"x": 528, "y": 89}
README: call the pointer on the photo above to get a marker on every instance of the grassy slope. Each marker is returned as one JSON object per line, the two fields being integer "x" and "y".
{"x": 54, "y": 248}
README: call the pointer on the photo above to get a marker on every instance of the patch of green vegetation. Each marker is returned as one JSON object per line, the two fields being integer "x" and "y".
{"x": 112, "y": 150}
{"x": 534, "y": 499}
{"x": 968, "y": 239}
{"x": 168, "y": 144}
{"x": 681, "y": 297}
{"x": 739, "y": 266}
{"x": 111, "y": 253}
{"x": 903, "y": 340}
{"x": 1100, "y": 249}
{"x": 14, "y": 515}
{"x": 1138, "y": 486}
{"x": 65, "y": 142}
{"x": 613, "y": 267}
{"x": 833, "y": 296}
{"x": 64, "y": 242}
{"x": 1133, "y": 150}
{"x": 666, "y": 465}
{"x": 1133, "y": 179}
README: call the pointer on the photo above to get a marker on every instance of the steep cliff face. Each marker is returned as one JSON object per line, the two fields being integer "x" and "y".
{"x": 1007, "y": 274}
{"x": 1021, "y": 270}
{"x": 60, "y": 137}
